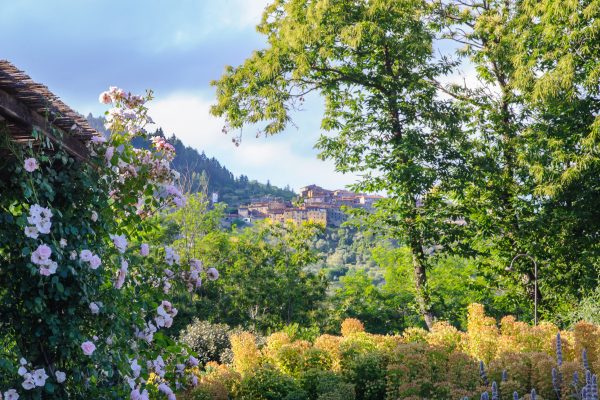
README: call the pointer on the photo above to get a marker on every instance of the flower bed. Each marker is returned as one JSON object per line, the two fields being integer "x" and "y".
{"x": 489, "y": 360}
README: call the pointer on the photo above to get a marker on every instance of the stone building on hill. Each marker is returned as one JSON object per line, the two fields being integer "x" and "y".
{"x": 318, "y": 205}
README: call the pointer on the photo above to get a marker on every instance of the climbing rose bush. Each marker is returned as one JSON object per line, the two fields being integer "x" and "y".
{"x": 82, "y": 302}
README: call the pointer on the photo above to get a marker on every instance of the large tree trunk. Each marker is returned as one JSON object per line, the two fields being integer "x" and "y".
{"x": 420, "y": 279}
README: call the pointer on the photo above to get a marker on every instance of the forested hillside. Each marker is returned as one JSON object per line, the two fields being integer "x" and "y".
{"x": 233, "y": 190}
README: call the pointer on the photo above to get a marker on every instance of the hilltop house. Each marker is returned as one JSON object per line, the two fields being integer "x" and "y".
{"x": 318, "y": 205}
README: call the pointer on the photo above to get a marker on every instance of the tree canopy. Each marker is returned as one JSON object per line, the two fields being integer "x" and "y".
{"x": 496, "y": 166}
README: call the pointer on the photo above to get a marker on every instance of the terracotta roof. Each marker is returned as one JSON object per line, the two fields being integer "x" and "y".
{"x": 25, "y": 105}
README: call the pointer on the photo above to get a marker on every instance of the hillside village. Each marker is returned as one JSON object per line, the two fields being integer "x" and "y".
{"x": 315, "y": 204}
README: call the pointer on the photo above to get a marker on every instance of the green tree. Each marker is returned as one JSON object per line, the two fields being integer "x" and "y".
{"x": 534, "y": 123}
{"x": 265, "y": 284}
{"x": 373, "y": 64}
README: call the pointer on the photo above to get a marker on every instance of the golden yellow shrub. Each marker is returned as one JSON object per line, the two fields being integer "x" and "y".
{"x": 331, "y": 345}
{"x": 352, "y": 325}
{"x": 415, "y": 335}
{"x": 567, "y": 342}
{"x": 586, "y": 336}
{"x": 517, "y": 367}
{"x": 482, "y": 334}
{"x": 567, "y": 370}
{"x": 517, "y": 336}
{"x": 274, "y": 343}
{"x": 246, "y": 355}
{"x": 387, "y": 342}
{"x": 219, "y": 381}
{"x": 444, "y": 335}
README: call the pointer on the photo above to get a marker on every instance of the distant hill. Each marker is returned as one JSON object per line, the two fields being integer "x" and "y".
{"x": 191, "y": 163}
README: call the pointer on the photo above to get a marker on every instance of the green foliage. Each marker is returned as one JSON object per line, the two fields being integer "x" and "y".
{"x": 367, "y": 371}
{"x": 322, "y": 385}
{"x": 588, "y": 309}
{"x": 265, "y": 282}
{"x": 54, "y": 309}
{"x": 503, "y": 167}
{"x": 208, "y": 340}
{"x": 269, "y": 384}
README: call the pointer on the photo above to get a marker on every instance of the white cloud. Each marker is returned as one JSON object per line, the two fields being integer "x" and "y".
{"x": 275, "y": 159}
{"x": 247, "y": 13}
{"x": 187, "y": 115}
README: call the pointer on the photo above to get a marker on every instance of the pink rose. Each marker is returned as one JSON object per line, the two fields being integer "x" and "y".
{"x": 88, "y": 348}
{"x": 105, "y": 98}
{"x": 31, "y": 165}
{"x": 95, "y": 262}
{"x": 44, "y": 251}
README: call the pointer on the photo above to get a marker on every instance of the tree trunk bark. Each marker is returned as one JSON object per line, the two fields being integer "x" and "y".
{"x": 420, "y": 279}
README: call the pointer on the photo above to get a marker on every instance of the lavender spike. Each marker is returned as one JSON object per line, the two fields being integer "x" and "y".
{"x": 515, "y": 396}
{"x": 533, "y": 394}
{"x": 485, "y": 396}
{"x": 556, "y": 382}
{"x": 495, "y": 391}
{"x": 584, "y": 393}
{"x": 482, "y": 373}
{"x": 584, "y": 359}
{"x": 504, "y": 376}
{"x": 559, "y": 355}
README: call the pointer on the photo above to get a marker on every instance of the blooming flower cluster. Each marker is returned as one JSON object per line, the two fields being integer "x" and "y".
{"x": 166, "y": 312}
{"x": 194, "y": 280}
{"x": 40, "y": 219}
{"x": 212, "y": 274}
{"x": 41, "y": 257}
{"x": 123, "y": 117}
{"x": 147, "y": 333}
{"x": 127, "y": 184}
{"x": 94, "y": 308}
{"x": 164, "y": 388}
{"x": 171, "y": 257}
{"x": 144, "y": 250}
{"x": 175, "y": 194}
{"x": 36, "y": 378}
{"x": 122, "y": 274}
{"x": 162, "y": 145}
{"x": 120, "y": 242}
{"x": 91, "y": 258}
{"x": 137, "y": 395}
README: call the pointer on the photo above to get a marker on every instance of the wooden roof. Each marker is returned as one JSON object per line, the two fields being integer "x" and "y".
{"x": 26, "y": 105}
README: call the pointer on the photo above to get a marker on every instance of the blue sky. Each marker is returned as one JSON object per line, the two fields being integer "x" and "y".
{"x": 80, "y": 47}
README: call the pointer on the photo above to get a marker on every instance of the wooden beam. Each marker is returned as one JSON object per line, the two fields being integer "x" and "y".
{"x": 15, "y": 111}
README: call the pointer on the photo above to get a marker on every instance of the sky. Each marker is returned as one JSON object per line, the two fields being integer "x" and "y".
{"x": 78, "y": 48}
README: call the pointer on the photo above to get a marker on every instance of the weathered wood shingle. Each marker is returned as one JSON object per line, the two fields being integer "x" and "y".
{"x": 26, "y": 105}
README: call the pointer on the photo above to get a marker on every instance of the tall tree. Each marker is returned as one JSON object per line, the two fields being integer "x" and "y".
{"x": 373, "y": 63}
{"x": 534, "y": 127}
